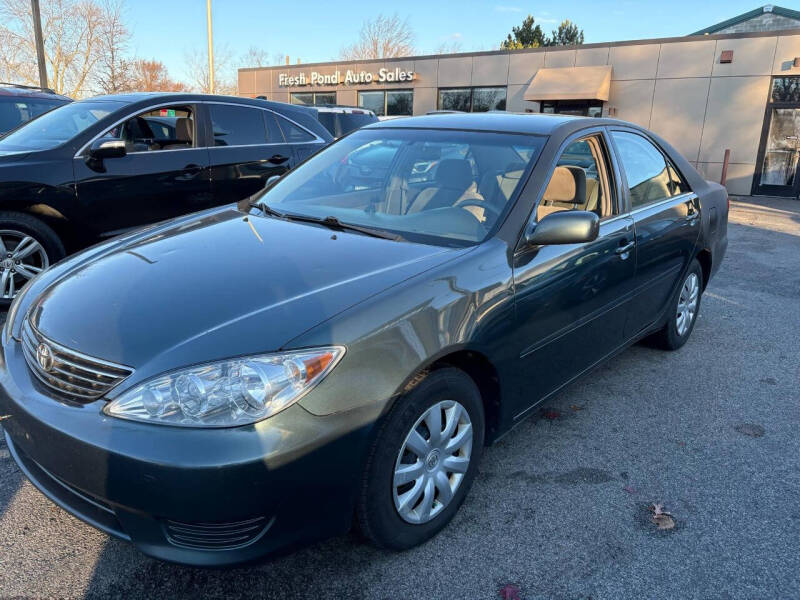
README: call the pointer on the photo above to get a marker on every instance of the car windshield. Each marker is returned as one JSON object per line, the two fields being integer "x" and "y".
{"x": 434, "y": 186}
{"x": 17, "y": 110}
{"x": 57, "y": 126}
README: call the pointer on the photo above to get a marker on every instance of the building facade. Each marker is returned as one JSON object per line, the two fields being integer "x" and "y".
{"x": 704, "y": 94}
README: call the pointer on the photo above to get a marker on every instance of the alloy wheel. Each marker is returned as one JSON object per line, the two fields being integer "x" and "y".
{"x": 22, "y": 257}
{"x": 687, "y": 303}
{"x": 432, "y": 462}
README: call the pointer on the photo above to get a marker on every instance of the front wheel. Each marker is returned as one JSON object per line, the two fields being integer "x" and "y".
{"x": 683, "y": 311}
{"x": 27, "y": 247}
{"x": 423, "y": 461}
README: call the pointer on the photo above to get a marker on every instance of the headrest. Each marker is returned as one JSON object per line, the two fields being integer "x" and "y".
{"x": 454, "y": 173}
{"x": 183, "y": 129}
{"x": 568, "y": 184}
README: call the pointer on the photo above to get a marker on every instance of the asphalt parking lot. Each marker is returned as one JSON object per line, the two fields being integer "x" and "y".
{"x": 560, "y": 509}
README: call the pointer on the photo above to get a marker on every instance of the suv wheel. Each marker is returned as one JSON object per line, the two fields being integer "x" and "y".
{"x": 423, "y": 461}
{"x": 27, "y": 247}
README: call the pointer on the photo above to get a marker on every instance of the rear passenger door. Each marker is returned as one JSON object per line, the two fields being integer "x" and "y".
{"x": 666, "y": 216}
{"x": 247, "y": 148}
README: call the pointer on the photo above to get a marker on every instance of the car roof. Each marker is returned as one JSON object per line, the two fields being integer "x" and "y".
{"x": 505, "y": 122}
{"x": 31, "y": 92}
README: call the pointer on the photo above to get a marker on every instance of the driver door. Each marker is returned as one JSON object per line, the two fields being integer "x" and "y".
{"x": 165, "y": 172}
{"x": 572, "y": 299}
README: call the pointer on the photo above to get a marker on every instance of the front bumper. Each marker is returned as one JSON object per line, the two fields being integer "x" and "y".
{"x": 194, "y": 496}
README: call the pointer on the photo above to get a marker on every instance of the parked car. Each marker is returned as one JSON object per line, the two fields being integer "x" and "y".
{"x": 341, "y": 120}
{"x": 21, "y": 103}
{"x": 96, "y": 168}
{"x": 230, "y": 383}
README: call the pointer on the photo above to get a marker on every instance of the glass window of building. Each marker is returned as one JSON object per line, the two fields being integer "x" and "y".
{"x": 581, "y": 108}
{"x": 400, "y": 102}
{"x": 374, "y": 101}
{"x": 388, "y": 103}
{"x": 312, "y": 98}
{"x": 456, "y": 99}
{"x": 485, "y": 99}
{"x": 479, "y": 99}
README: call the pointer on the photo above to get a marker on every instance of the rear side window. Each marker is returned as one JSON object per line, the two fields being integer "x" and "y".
{"x": 237, "y": 125}
{"x": 648, "y": 177}
{"x": 294, "y": 134}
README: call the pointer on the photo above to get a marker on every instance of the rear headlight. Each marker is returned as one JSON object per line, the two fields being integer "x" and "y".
{"x": 227, "y": 393}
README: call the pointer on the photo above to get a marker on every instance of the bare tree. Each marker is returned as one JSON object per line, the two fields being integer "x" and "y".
{"x": 255, "y": 57}
{"x": 114, "y": 71}
{"x": 152, "y": 76}
{"x": 383, "y": 37}
{"x": 71, "y": 30}
{"x": 197, "y": 71}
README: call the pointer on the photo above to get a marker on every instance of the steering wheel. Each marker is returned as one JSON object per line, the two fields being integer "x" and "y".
{"x": 487, "y": 208}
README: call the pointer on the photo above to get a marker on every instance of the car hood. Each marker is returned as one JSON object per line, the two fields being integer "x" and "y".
{"x": 221, "y": 285}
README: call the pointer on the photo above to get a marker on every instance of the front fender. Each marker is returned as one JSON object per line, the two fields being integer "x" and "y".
{"x": 467, "y": 303}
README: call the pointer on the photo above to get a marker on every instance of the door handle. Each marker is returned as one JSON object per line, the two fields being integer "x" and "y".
{"x": 192, "y": 168}
{"x": 277, "y": 159}
{"x": 623, "y": 250}
{"x": 692, "y": 217}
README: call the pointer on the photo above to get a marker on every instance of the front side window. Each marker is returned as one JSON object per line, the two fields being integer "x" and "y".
{"x": 645, "y": 168}
{"x": 580, "y": 181}
{"x": 442, "y": 187}
{"x": 237, "y": 125}
{"x": 166, "y": 128}
{"x": 58, "y": 126}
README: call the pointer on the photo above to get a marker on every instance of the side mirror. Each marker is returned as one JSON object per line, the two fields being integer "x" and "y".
{"x": 107, "y": 148}
{"x": 565, "y": 227}
{"x": 271, "y": 181}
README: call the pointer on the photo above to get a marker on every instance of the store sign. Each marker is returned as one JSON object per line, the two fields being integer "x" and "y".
{"x": 348, "y": 77}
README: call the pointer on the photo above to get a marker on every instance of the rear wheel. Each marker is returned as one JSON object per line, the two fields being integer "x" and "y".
{"x": 682, "y": 316}
{"x": 27, "y": 247}
{"x": 423, "y": 461}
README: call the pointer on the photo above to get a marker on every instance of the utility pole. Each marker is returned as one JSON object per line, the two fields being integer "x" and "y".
{"x": 37, "y": 33}
{"x": 210, "y": 49}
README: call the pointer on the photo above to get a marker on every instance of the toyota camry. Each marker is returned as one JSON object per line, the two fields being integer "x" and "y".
{"x": 340, "y": 347}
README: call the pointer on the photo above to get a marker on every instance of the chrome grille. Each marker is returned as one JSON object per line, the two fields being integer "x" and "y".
{"x": 72, "y": 374}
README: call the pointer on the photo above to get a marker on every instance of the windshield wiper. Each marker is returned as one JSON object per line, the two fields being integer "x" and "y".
{"x": 267, "y": 209}
{"x": 330, "y": 222}
{"x": 334, "y": 223}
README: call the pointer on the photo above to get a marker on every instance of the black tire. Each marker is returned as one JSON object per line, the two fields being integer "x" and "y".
{"x": 31, "y": 226}
{"x": 377, "y": 517}
{"x": 668, "y": 337}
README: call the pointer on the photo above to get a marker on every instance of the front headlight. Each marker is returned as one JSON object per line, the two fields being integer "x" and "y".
{"x": 227, "y": 393}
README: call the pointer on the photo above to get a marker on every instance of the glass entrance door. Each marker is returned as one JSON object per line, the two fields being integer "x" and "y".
{"x": 778, "y": 154}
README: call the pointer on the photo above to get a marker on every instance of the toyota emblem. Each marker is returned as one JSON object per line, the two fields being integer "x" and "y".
{"x": 44, "y": 356}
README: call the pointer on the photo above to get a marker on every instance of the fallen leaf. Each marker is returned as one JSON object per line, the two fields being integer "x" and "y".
{"x": 549, "y": 413}
{"x": 661, "y": 518}
{"x": 4, "y": 417}
{"x": 664, "y": 521}
{"x": 630, "y": 489}
{"x": 576, "y": 408}
{"x": 509, "y": 592}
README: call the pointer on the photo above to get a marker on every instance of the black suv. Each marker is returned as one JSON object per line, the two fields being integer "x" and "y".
{"x": 95, "y": 168}
{"x": 21, "y": 103}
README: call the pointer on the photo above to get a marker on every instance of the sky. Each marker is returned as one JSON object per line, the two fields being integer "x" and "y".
{"x": 315, "y": 31}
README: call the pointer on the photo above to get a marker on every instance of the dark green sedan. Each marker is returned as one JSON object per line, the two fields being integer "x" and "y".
{"x": 340, "y": 347}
